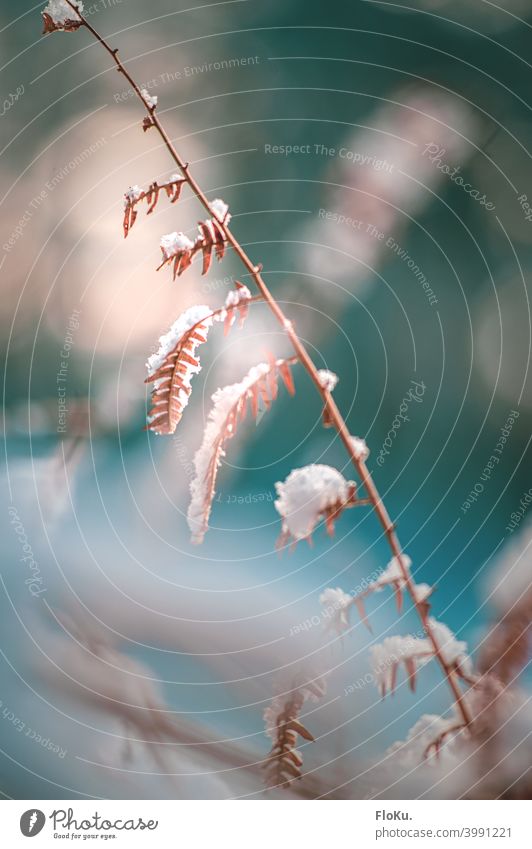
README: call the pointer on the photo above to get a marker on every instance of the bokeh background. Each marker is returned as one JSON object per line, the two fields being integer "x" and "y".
{"x": 361, "y": 94}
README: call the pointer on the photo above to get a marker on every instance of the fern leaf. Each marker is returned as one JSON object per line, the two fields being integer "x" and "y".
{"x": 229, "y": 407}
{"x": 180, "y": 250}
{"x": 237, "y": 300}
{"x": 173, "y": 366}
{"x": 135, "y": 195}
{"x": 283, "y": 726}
{"x": 176, "y": 362}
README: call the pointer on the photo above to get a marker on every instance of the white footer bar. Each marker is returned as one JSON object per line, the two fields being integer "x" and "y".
{"x": 268, "y": 824}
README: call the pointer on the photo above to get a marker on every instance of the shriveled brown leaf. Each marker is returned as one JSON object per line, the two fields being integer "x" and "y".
{"x": 151, "y": 195}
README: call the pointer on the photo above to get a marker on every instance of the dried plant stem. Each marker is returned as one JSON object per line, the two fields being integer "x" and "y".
{"x": 333, "y": 412}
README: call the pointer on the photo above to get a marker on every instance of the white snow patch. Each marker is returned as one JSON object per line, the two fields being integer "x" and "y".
{"x": 306, "y": 494}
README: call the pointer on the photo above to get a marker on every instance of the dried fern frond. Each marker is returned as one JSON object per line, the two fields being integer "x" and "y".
{"x": 426, "y": 741}
{"x": 179, "y": 250}
{"x": 283, "y": 726}
{"x": 387, "y": 657}
{"x": 135, "y": 195}
{"x": 171, "y": 369}
{"x": 393, "y": 577}
{"x": 413, "y": 652}
{"x": 58, "y": 15}
{"x": 237, "y": 301}
{"x": 442, "y": 738}
{"x": 173, "y": 366}
{"x": 230, "y": 405}
{"x": 283, "y": 765}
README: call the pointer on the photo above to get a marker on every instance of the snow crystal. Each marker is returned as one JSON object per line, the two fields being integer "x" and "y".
{"x": 306, "y": 494}
{"x": 60, "y": 12}
{"x": 336, "y": 604}
{"x": 174, "y": 243}
{"x": 149, "y": 100}
{"x": 223, "y": 402}
{"x": 180, "y": 326}
{"x": 328, "y": 379}
{"x": 360, "y": 449}
{"x": 221, "y": 210}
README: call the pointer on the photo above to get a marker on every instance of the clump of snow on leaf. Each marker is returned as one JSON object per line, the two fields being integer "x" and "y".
{"x": 168, "y": 342}
{"x": 412, "y": 751}
{"x": 393, "y": 574}
{"x": 422, "y": 592}
{"x": 393, "y": 651}
{"x": 60, "y": 12}
{"x": 132, "y": 195}
{"x": 453, "y": 651}
{"x": 328, "y": 379}
{"x": 223, "y": 402}
{"x": 174, "y": 243}
{"x": 237, "y": 296}
{"x": 220, "y": 209}
{"x": 336, "y": 604}
{"x": 307, "y": 494}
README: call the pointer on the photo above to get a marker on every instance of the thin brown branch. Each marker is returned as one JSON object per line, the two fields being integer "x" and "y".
{"x": 333, "y": 413}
